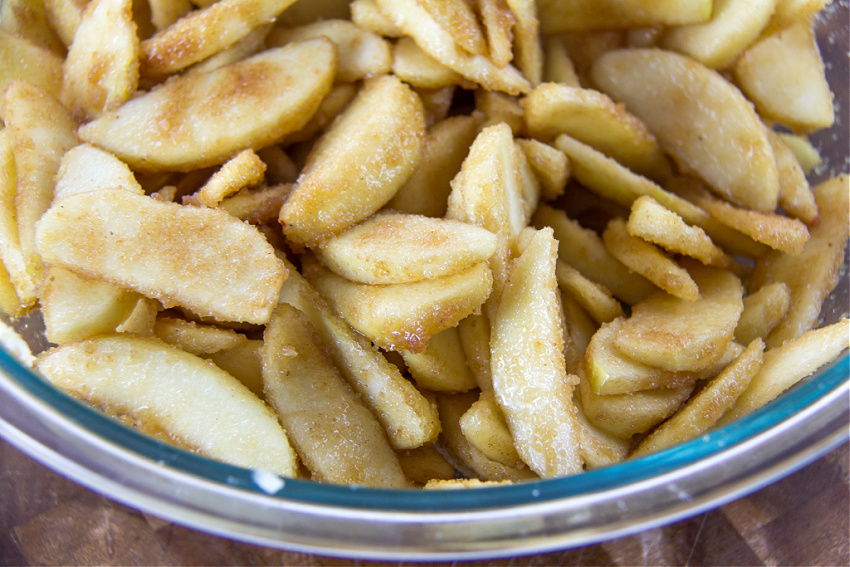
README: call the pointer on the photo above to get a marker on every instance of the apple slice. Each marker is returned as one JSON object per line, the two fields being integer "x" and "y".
{"x": 203, "y": 119}
{"x": 202, "y": 259}
{"x": 674, "y": 334}
{"x": 699, "y": 118}
{"x": 182, "y": 398}
{"x": 358, "y": 164}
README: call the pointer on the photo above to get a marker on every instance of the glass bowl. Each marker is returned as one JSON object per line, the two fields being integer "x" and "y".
{"x": 534, "y": 517}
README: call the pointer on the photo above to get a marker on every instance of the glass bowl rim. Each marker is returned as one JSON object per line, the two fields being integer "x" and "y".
{"x": 541, "y": 516}
{"x": 833, "y": 377}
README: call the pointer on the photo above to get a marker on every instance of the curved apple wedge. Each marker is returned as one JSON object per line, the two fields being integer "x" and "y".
{"x": 204, "y": 119}
{"x": 530, "y": 378}
{"x": 404, "y": 316}
{"x": 358, "y": 165}
{"x": 169, "y": 392}
{"x": 202, "y": 259}
{"x": 678, "y": 335}
{"x": 337, "y": 437}
{"x": 399, "y": 248}
{"x": 699, "y": 118}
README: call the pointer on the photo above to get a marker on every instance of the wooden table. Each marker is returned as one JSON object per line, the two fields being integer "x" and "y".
{"x": 801, "y": 520}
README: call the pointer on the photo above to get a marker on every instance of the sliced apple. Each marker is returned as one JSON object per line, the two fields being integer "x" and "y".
{"x": 203, "y": 119}
{"x": 399, "y": 248}
{"x": 408, "y": 417}
{"x": 529, "y": 373}
{"x": 678, "y": 335}
{"x": 202, "y": 259}
{"x": 700, "y": 119}
{"x": 336, "y": 436}
{"x": 404, "y": 316}
{"x": 359, "y": 163}
{"x": 180, "y": 397}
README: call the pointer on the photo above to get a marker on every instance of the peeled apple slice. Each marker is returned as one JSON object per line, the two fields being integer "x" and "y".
{"x": 202, "y": 259}
{"x": 678, "y": 335}
{"x": 699, "y": 118}
{"x": 165, "y": 390}
{"x": 357, "y": 166}
{"x": 400, "y": 248}
{"x": 201, "y": 120}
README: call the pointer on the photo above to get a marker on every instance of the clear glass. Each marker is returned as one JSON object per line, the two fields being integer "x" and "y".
{"x": 299, "y": 515}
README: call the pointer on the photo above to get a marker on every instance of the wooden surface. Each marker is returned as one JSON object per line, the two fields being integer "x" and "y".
{"x": 801, "y": 520}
